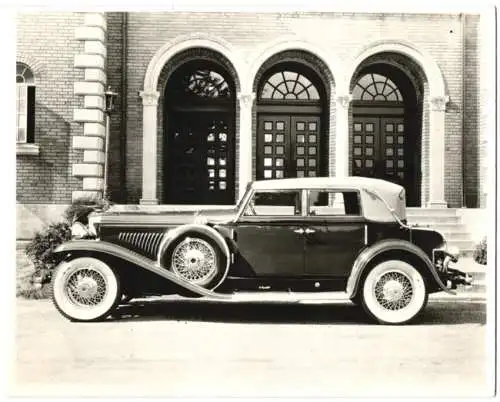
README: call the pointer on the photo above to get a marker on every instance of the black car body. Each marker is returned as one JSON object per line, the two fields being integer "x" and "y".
{"x": 291, "y": 240}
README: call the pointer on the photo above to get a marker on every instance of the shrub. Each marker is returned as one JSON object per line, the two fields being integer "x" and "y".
{"x": 480, "y": 252}
{"x": 40, "y": 249}
{"x": 80, "y": 209}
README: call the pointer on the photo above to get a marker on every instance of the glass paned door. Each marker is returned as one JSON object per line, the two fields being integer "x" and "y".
{"x": 379, "y": 148}
{"x": 393, "y": 142}
{"x": 273, "y": 147}
{"x": 288, "y": 146}
{"x": 365, "y": 146}
{"x": 200, "y": 166}
{"x": 306, "y": 150}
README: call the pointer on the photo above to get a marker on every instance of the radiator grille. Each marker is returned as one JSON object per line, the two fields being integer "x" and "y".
{"x": 146, "y": 243}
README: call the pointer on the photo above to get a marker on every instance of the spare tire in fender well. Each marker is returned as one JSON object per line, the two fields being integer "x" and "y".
{"x": 175, "y": 236}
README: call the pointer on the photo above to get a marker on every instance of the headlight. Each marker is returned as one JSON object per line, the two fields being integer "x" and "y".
{"x": 79, "y": 230}
{"x": 94, "y": 221}
{"x": 453, "y": 251}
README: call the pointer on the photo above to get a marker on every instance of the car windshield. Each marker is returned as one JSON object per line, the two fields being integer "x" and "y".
{"x": 274, "y": 203}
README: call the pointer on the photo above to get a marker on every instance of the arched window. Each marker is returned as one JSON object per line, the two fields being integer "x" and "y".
{"x": 376, "y": 87}
{"x": 289, "y": 85}
{"x": 191, "y": 84}
{"x": 25, "y": 104}
{"x": 200, "y": 135}
{"x": 290, "y": 126}
{"x": 207, "y": 84}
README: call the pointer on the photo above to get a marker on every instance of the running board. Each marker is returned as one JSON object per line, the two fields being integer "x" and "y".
{"x": 283, "y": 297}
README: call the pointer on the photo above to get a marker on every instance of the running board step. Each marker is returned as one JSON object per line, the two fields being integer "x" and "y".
{"x": 285, "y": 297}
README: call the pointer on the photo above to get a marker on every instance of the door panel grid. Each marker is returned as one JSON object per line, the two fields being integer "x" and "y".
{"x": 288, "y": 146}
{"x": 200, "y": 162}
{"x": 379, "y": 148}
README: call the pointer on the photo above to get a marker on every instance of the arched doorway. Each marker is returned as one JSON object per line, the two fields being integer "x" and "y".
{"x": 386, "y": 128}
{"x": 199, "y": 135}
{"x": 290, "y": 123}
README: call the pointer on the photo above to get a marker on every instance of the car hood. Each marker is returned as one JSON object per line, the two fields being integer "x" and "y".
{"x": 214, "y": 216}
{"x": 133, "y": 215}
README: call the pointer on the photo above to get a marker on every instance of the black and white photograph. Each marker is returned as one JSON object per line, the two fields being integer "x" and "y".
{"x": 255, "y": 200}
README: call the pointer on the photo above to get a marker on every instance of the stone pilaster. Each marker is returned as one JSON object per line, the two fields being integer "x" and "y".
{"x": 245, "y": 135}
{"x": 150, "y": 106}
{"x": 437, "y": 116}
{"x": 92, "y": 115}
{"x": 342, "y": 136}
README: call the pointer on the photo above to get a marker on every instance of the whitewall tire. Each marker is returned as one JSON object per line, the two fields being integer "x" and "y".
{"x": 394, "y": 292}
{"x": 85, "y": 289}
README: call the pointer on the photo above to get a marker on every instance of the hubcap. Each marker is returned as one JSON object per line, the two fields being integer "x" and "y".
{"x": 194, "y": 260}
{"x": 393, "y": 291}
{"x": 86, "y": 287}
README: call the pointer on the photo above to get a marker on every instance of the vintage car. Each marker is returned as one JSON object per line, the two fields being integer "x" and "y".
{"x": 304, "y": 240}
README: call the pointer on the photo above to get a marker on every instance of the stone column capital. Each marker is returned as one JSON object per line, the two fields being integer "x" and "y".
{"x": 438, "y": 103}
{"x": 246, "y": 99}
{"x": 344, "y": 100}
{"x": 149, "y": 98}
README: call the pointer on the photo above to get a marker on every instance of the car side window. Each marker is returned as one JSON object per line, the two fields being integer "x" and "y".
{"x": 275, "y": 203}
{"x": 333, "y": 203}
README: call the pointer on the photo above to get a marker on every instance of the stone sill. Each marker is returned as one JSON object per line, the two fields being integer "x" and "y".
{"x": 27, "y": 149}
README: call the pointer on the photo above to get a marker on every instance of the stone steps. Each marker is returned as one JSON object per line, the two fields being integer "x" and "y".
{"x": 412, "y": 211}
{"x": 423, "y": 219}
{"x": 447, "y": 222}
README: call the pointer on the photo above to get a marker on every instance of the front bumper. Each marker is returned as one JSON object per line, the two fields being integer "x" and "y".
{"x": 457, "y": 277}
{"x": 452, "y": 277}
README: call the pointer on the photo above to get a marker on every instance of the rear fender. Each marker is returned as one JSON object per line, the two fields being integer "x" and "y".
{"x": 368, "y": 254}
{"x": 109, "y": 249}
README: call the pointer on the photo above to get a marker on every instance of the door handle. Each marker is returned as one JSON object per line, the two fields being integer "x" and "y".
{"x": 307, "y": 231}
{"x": 299, "y": 231}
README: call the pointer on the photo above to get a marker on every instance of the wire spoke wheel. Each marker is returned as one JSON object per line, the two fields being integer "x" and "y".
{"x": 195, "y": 260}
{"x": 394, "y": 292}
{"x": 85, "y": 289}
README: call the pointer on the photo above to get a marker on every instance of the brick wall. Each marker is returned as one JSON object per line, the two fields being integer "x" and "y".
{"x": 45, "y": 41}
{"x": 115, "y": 77}
{"x": 342, "y": 34}
{"x": 472, "y": 112}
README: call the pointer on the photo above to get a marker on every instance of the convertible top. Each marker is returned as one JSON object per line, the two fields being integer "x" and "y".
{"x": 350, "y": 182}
{"x": 373, "y": 208}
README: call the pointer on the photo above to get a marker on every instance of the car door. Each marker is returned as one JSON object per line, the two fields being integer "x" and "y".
{"x": 334, "y": 233}
{"x": 271, "y": 242}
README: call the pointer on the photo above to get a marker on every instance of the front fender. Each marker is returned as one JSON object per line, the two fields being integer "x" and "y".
{"x": 206, "y": 230}
{"x": 371, "y": 252}
{"x": 102, "y": 247}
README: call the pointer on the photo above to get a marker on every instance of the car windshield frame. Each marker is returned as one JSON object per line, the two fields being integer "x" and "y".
{"x": 249, "y": 196}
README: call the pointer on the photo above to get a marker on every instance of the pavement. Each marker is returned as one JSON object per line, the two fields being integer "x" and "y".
{"x": 173, "y": 349}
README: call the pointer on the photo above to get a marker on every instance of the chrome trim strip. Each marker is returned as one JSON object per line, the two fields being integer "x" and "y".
{"x": 142, "y": 236}
{"x": 366, "y": 235}
{"x": 160, "y": 248}
{"x": 244, "y": 204}
{"x": 151, "y": 237}
{"x": 158, "y": 240}
{"x": 304, "y": 198}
